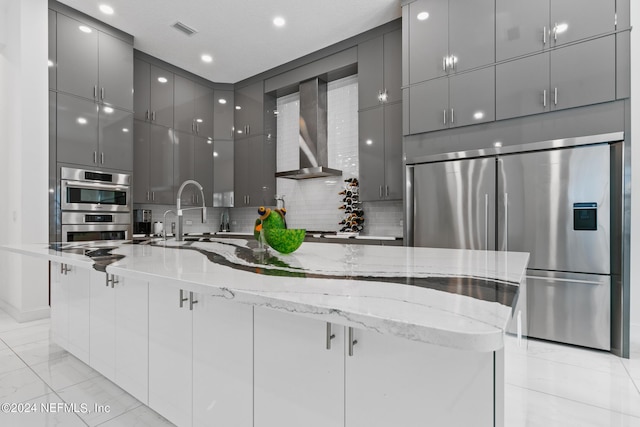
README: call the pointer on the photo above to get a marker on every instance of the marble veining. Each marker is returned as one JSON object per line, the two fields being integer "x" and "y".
{"x": 455, "y": 298}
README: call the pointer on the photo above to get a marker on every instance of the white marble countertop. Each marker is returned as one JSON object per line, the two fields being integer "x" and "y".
{"x": 454, "y": 298}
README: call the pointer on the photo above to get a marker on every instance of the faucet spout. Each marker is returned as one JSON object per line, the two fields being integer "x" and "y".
{"x": 179, "y": 209}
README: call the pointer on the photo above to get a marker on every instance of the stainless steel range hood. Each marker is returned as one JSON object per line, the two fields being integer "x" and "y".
{"x": 313, "y": 133}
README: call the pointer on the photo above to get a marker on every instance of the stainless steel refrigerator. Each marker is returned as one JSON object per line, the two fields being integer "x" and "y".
{"x": 554, "y": 204}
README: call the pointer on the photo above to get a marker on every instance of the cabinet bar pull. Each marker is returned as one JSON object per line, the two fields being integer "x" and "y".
{"x": 198, "y": 128}
{"x": 506, "y": 221}
{"x": 386, "y": 190}
{"x": 555, "y": 31}
{"x": 148, "y": 194}
{"x": 444, "y": 117}
{"x": 182, "y": 298}
{"x": 544, "y": 98}
{"x": 101, "y": 93}
{"x": 146, "y": 115}
{"x": 555, "y": 96}
{"x": 452, "y": 116}
{"x": 95, "y": 157}
{"x": 330, "y": 336}
{"x": 102, "y": 158}
{"x": 444, "y": 63}
{"x": 153, "y": 196}
{"x": 106, "y": 281}
{"x": 191, "y": 301}
{"x": 544, "y": 35}
{"x": 153, "y": 116}
{"x": 380, "y": 191}
{"x": 486, "y": 222}
{"x": 95, "y": 91}
{"x": 192, "y": 127}
{"x": 61, "y": 268}
{"x": 352, "y": 342}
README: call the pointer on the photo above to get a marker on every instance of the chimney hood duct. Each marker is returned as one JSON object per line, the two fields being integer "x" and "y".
{"x": 313, "y": 133}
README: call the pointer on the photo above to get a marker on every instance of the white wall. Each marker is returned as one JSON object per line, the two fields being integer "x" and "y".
{"x": 24, "y": 144}
{"x": 635, "y": 167}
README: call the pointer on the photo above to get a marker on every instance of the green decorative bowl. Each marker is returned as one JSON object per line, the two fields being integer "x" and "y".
{"x": 284, "y": 240}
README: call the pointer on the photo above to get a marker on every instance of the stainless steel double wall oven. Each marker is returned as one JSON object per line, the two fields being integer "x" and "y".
{"x": 94, "y": 205}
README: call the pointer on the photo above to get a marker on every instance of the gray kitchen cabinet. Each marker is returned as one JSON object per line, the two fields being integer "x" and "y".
{"x": 380, "y": 153}
{"x": 153, "y": 164}
{"x": 522, "y": 87}
{"x": 223, "y": 108}
{"x": 115, "y": 138}
{"x": 153, "y": 94}
{"x": 524, "y": 27}
{"x": 203, "y": 166}
{"x": 455, "y": 36}
{"x": 93, "y": 64}
{"x": 459, "y": 100}
{"x": 583, "y": 74}
{"x": 223, "y": 166}
{"x": 249, "y": 110}
{"x": 572, "y": 76}
{"x": 251, "y": 187}
{"x": 52, "y": 50}
{"x": 183, "y": 169}
{"x": 380, "y": 70}
{"x": 77, "y": 131}
{"x": 193, "y": 108}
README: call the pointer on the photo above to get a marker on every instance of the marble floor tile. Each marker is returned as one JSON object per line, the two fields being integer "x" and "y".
{"x": 39, "y": 352}
{"x": 21, "y": 385}
{"x": 47, "y": 410}
{"x": 141, "y": 416}
{"x": 8, "y": 323}
{"x": 9, "y": 361}
{"x": 605, "y": 390}
{"x": 99, "y": 392}
{"x": 534, "y": 409}
{"x": 25, "y": 335}
{"x": 64, "y": 371}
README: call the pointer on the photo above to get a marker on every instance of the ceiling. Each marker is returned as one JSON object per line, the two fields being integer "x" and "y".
{"x": 239, "y": 34}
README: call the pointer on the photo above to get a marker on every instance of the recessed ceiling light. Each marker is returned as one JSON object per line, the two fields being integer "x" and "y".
{"x": 108, "y": 110}
{"x": 84, "y": 29}
{"x": 238, "y": 107}
{"x": 423, "y": 16}
{"x": 222, "y": 101}
{"x": 106, "y": 9}
{"x": 279, "y": 21}
{"x": 81, "y": 120}
{"x": 162, "y": 79}
{"x": 206, "y": 58}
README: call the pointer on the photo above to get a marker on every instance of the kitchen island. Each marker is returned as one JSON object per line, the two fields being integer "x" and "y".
{"x": 214, "y": 332}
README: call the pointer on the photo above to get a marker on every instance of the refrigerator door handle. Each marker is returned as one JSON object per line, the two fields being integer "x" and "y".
{"x": 506, "y": 221}
{"x": 486, "y": 222}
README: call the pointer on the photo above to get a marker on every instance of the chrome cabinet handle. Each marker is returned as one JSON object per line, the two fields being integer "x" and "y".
{"x": 544, "y": 35}
{"x": 452, "y": 121}
{"x": 101, "y": 93}
{"x": 146, "y": 115}
{"x": 153, "y": 116}
{"x": 148, "y": 194}
{"x": 506, "y": 221}
{"x": 191, "y": 301}
{"x": 95, "y": 91}
{"x": 352, "y": 342}
{"x": 444, "y": 117}
{"x": 113, "y": 280}
{"x": 198, "y": 128}
{"x": 444, "y": 63}
{"x": 153, "y": 196}
{"x": 386, "y": 190}
{"x": 95, "y": 157}
{"x": 380, "y": 191}
{"x": 102, "y": 158}
{"x": 555, "y": 31}
{"x": 330, "y": 336}
{"x": 192, "y": 127}
{"x": 182, "y": 298}
{"x": 555, "y": 96}
{"x": 486, "y": 222}
{"x": 544, "y": 98}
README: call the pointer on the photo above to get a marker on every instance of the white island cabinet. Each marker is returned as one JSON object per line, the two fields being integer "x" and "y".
{"x": 332, "y": 335}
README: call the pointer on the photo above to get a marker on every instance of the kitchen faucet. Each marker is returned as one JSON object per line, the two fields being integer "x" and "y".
{"x": 179, "y": 210}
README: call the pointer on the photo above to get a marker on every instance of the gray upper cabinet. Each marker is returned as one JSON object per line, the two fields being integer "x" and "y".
{"x": 153, "y": 164}
{"x": 522, "y": 87}
{"x": 77, "y": 58}
{"x": 77, "y": 131}
{"x": 249, "y": 110}
{"x": 583, "y": 73}
{"x": 572, "y": 76}
{"x": 525, "y": 27}
{"x": 459, "y": 100}
{"x": 93, "y": 135}
{"x": 153, "y": 94}
{"x": 250, "y": 186}
{"x": 203, "y": 164}
{"x": 183, "y": 167}
{"x": 93, "y": 64}
{"x": 223, "y": 173}
{"x": 449, "y": 37}
{"x": 52, "y": 63}
{"x": 115, "y": 65}
{"x": 380, "y": 70}
{"x": 193, "y": 108}
{"x": 223, "y": 108}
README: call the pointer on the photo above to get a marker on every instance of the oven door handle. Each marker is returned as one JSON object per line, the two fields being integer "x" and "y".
{"x": 95, "y": 185}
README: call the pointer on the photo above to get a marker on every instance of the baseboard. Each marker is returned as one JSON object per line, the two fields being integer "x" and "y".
{"x": 25, "y": 316}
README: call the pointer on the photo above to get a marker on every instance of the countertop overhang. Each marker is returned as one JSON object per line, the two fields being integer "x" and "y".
{"x": 461, "y": 299}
